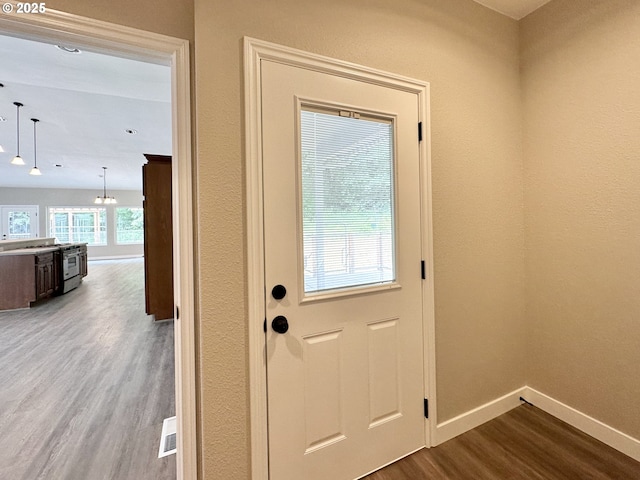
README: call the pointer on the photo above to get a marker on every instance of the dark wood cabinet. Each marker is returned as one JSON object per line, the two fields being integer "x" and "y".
{"x": 158, "y": 236}
{"x": 84, "y": 268}
{"x": 57, "y": 272}
{"x": 45, "y": 275}
{"x": 17, "y": 281}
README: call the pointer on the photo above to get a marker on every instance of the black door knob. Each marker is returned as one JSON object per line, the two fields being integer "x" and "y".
{"x": 280, "y": 324}
{"x": 278, "y": 292}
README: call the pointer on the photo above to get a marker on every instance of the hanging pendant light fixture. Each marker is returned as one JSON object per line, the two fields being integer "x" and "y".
{"x": 104, "y": 199}
{"x": 35, "y": 170}
{"x": 17, "y": 160}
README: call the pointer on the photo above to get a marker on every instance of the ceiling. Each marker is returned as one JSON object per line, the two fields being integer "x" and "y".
{"x": 516, "y": 9}
{"x": 85, "y": 103}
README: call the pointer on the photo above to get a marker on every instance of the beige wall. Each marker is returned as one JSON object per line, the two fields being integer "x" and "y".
{"x": 470, "y": 56}
{"x": 578, "y": 341}
{"x": 581, "y": 85}
{"x": 578, "y": 64}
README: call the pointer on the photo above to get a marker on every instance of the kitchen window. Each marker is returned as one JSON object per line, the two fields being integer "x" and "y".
{"x": 78, "y": 224}
{"x": 129, "y": 225}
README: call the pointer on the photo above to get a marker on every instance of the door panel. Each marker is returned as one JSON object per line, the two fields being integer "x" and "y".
{"x": 323, "y": 389}
{"x": 384, "y": 377}
{"x": 345, "y": 382}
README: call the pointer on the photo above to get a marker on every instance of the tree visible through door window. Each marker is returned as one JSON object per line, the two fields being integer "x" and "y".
{"x": 19, "y": 225}
{"x": 347, "y": 200}
{"x": 129, "y": 225}
{"x": 78, "y": 224}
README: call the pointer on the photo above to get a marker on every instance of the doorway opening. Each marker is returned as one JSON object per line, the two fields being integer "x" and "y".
{"x": 58, "y": 28}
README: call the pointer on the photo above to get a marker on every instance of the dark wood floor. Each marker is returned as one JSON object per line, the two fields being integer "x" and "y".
{"x": 525, "y": 443}
{"x": 87, "y": 379}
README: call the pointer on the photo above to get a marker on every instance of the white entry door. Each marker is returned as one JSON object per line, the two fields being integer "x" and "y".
{"x": 19, "y": 222}
{"x": 342, "y": 223}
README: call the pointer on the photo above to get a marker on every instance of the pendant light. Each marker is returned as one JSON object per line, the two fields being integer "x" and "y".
{"x": 104, "y": 199}
{"x": 17, "y": 160}
{"x": 35, "y": 170}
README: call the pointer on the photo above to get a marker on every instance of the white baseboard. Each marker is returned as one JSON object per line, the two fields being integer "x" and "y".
{"x": 116, "y": 257}
{"x": 476, "y": 417}
{"x": 589, "y": 425}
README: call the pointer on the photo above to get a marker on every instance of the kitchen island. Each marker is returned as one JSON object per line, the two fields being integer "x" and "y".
{"x": 37, "y": 269}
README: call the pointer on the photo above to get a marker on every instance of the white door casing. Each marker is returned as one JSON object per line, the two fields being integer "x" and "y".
{"x": 388, "y": 328}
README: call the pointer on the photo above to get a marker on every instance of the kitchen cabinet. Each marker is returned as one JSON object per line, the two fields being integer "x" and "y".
{"x": 37, "y": 272}
{"x": 84, "y": 268}
{"x": 57, "y": 272}
{"x": 17, "y": 281}
{"x": 45, "y": 275}
{"x": 158, "y": 236}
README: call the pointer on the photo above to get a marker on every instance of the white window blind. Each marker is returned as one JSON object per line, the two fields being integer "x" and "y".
{"x": 347, "y": 200}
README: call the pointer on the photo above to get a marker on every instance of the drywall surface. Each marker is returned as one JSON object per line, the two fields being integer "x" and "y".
{"x": 581, "y": 91}
{"x": 470, "y": 56}
{"x": 54, "y": 197}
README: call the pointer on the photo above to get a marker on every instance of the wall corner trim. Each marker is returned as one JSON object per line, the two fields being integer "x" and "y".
{"x": 476, "y": 417}
{"x": 606, "y": 434}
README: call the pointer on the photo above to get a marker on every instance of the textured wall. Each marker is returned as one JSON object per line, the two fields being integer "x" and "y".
{"x": 581, "y": 84}
{"x": 470, "y": 56}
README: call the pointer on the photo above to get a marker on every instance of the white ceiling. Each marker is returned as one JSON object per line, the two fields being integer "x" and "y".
{"x": 516, "y": 9}
{"x": 84, "y": 102}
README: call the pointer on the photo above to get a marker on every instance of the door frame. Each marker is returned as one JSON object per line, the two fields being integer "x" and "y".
{"x": 3, "y": 208}
{"x": 254, "y": 52}
{"x": 109, "y": 38}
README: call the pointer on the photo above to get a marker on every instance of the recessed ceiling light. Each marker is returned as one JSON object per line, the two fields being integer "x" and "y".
{"x": 64, "y": 48}
{"x": 131, "y": 131}
{"x": 3, "y": 119}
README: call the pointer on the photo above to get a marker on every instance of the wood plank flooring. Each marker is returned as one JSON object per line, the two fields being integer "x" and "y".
{"x": 86, "y": 380}
{"x": 525, "y": 443}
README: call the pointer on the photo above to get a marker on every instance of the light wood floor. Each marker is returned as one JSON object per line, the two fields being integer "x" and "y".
{"x": 523, "y": 444}
{"x": 86, "y": 380}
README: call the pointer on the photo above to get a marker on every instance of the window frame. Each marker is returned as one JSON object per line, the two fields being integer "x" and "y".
{"x": 115, "y": 222}
{"x": 309, "y": 105}
{"x": 70, "y": 210}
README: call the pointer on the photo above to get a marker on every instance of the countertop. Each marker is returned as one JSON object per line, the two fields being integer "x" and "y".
{"x": 37, "y": 250}
{"x": 29, "y": 251}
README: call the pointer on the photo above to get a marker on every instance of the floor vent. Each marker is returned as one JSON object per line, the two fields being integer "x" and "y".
{"x": 168, "y": 437}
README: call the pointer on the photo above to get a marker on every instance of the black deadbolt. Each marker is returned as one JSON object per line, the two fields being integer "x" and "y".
{"x": 278, "y": 292}
{"x": 280, "y": 324}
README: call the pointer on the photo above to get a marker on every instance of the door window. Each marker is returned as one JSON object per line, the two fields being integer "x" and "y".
{"x": 347, "y": 180}
{"x": 19, "y": 222}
